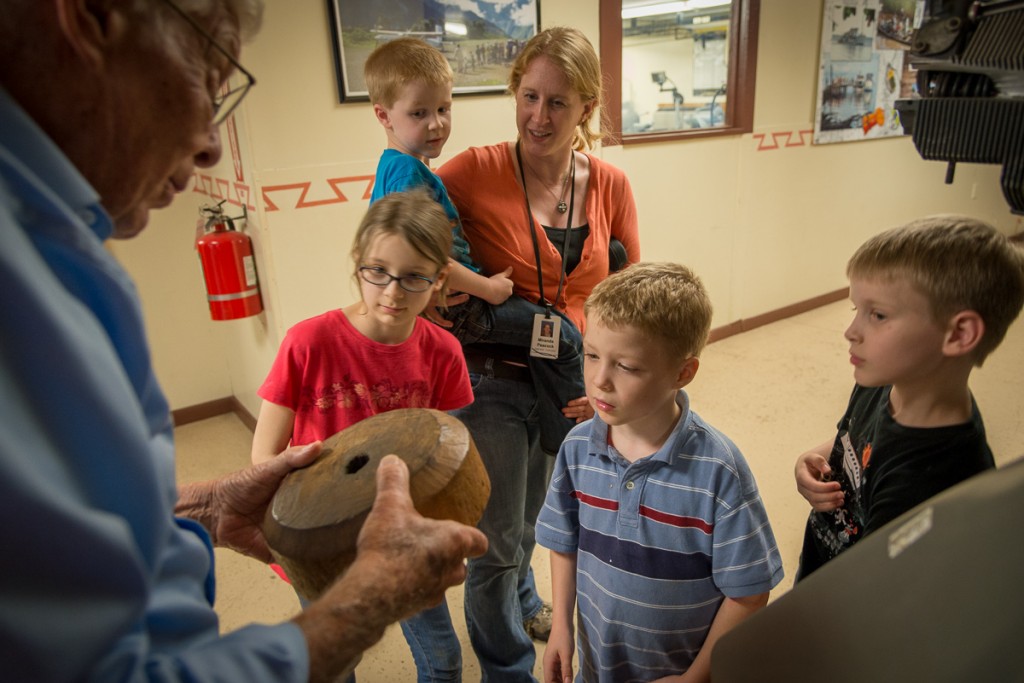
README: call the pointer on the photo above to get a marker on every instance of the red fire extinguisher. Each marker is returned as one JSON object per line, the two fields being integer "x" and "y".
{"x": 232, "y": 287}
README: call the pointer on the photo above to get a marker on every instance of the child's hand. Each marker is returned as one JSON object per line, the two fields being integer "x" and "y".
{"x": 499, "y": 286}
{"x": 578, "y": 409}
{"x": 558, "y": 655}
{"x": 813, "y": 481}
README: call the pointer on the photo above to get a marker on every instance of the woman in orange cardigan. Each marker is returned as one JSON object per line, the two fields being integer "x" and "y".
{"x": 545, "y": 207}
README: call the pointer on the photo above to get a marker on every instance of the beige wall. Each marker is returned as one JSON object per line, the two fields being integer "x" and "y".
{"x": 767, "y": 218}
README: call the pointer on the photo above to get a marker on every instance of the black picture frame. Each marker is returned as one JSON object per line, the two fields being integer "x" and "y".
{"x": 480, "y": 45}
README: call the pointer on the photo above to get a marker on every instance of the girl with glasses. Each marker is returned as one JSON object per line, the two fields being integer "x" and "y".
{"x": 375, "y": 355}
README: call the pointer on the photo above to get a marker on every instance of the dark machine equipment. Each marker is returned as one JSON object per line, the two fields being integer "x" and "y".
{"x": 970, "y": 61}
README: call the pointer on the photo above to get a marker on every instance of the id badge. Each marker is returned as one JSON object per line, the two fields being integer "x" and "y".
{"x": 546, "y": 331}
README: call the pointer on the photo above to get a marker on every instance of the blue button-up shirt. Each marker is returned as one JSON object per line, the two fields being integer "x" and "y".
{"x": 98, "y": 581}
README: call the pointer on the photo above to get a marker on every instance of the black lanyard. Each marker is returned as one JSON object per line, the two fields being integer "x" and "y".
{"x": 533, "y": 235}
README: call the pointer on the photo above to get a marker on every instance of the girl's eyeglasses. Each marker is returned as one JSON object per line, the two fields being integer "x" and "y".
{"x": 376, "y": 275}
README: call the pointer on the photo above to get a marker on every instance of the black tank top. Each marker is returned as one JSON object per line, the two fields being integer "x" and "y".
{"x": 576, "y": 238}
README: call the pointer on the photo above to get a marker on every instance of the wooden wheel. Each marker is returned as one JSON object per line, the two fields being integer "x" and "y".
{"x": 314, "y": 519}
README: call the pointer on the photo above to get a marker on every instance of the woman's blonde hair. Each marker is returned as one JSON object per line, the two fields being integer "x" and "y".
{"x": 573, "y": 53}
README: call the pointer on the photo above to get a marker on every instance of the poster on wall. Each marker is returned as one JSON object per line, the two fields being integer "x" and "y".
{"x": 480, "y": 38}
{"x": 862, "y": 71}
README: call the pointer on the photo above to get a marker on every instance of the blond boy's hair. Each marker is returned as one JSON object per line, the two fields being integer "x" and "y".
{"x": 957, "y": 263}
{"x": 397, "y": 63}
{"x": 414, "y": 216}
{"x": 664, "y": 301}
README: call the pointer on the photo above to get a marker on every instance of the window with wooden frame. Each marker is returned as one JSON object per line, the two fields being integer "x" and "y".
{"x": 678, "y": 70}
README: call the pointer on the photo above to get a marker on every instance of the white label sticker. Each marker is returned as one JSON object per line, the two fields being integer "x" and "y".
{"x": 910, "y": 532}
{"x": 250, "y": 270}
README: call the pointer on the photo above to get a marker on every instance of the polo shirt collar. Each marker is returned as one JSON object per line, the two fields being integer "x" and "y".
{"x": 599, "y": 434}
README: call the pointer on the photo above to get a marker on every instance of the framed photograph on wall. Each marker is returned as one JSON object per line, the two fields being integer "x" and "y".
{"x": 480, "y": 39}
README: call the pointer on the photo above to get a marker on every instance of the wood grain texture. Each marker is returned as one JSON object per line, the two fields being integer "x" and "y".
{"x": 314, "y": 519}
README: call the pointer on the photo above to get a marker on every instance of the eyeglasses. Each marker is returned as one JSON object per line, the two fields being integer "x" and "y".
{"x": 224, "y": 103}
{"x": 376, "y": 275}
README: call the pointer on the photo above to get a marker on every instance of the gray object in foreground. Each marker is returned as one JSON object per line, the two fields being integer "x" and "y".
{"x": 935, "y": 595}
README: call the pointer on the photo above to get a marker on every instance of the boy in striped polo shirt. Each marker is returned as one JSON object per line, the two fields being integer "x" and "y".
{"x": 655, "y": 525}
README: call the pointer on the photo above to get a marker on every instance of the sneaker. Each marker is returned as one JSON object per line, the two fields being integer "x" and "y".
{"x": 538, "y": 626}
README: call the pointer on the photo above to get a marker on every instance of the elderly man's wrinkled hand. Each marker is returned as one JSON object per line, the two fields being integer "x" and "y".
{"x": 415, "y": 559}
{"x": 240, "y": 500}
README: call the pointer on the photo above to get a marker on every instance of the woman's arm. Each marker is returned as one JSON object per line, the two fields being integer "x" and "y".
{"x": 625, "y": 225}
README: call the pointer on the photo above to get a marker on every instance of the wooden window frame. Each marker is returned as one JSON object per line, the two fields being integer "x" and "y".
{"x": 743, "y": 32}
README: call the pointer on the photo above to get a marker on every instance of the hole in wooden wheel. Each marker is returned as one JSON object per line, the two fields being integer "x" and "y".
{"x": 357, "y": 463}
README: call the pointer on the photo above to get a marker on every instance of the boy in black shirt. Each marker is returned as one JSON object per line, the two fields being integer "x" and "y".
{"x": 932, "y": 299}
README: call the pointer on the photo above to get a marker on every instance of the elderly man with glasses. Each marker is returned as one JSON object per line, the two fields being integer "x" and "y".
{"x": 106, "y": 109}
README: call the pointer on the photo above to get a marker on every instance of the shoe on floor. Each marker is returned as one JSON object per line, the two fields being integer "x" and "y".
{"x": 538, "y": 626}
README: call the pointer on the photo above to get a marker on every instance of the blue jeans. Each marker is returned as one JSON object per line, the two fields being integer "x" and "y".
{"x": 434, "y": 645}
{"x": 558, "y": 380}
{"x": 500, "y": 589}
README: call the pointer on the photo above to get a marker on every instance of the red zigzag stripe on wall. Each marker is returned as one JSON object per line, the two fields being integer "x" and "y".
{"x": 763, "y": 146}
{"x": 304, "y": 203}
{"x": 219, "y": 188}
{"x": 238, "y": 194}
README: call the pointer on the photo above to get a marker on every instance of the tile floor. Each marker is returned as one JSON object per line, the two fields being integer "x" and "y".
{"x": 775, "y": 391}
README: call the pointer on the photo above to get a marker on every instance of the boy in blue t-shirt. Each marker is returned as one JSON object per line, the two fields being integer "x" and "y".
{"x": 656, "y": 529}
{"x": 410, "y": 87}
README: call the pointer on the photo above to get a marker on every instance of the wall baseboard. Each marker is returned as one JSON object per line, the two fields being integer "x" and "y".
{"x": 778, "y": 314}
{"x": 220, "y": 406}
{"x": 231, "y": 404}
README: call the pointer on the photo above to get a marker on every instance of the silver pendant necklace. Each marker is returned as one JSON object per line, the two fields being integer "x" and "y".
{"x": 561, "y": 206}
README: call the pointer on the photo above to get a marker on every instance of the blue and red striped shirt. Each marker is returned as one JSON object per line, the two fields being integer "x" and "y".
{"x": 660, "y": 542}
